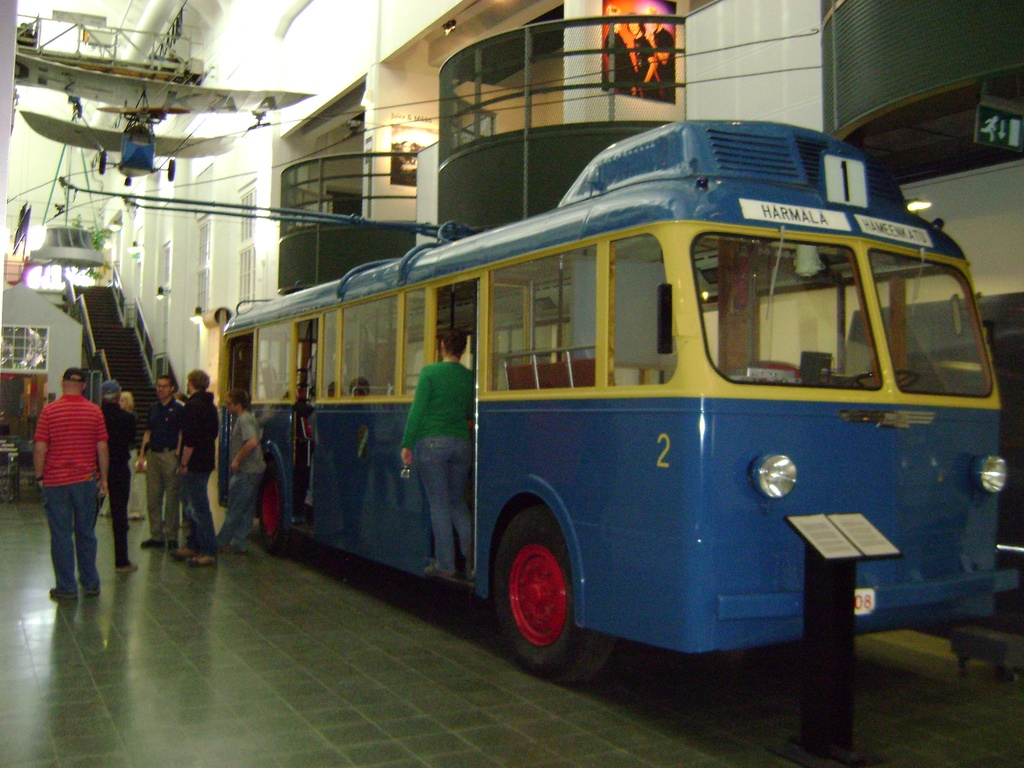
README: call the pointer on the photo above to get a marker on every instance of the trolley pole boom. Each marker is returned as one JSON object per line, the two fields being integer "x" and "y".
{"x": 446, "y": 232}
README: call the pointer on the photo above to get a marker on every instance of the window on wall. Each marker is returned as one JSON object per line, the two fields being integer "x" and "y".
{"x": 248, "y": 200}
{"x": 205, "y": 252}
{"x": 272, "y": 359}
{"x": 24, "y": 349}
{"x": 370, "y": 347}
{"x": 637, "y": 271}
{"x": 543, "y": 325}
{"x": 247, "y": 274}
{"x": 165, "y": 265}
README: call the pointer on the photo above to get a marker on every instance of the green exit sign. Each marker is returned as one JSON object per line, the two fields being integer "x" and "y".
{"x": 999, "y": 128}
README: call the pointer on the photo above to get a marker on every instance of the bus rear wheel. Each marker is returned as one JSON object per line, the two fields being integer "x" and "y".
{"x": 270, "y": 516}
{"x": 534, "y": 599}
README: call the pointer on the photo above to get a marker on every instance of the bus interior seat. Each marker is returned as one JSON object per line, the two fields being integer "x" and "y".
{"x": 551, "y": 375}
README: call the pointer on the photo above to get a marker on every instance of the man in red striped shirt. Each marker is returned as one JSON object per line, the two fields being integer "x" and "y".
{"x": 70, "y": 446}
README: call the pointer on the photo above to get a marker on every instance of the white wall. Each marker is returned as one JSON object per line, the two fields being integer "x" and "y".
{"x": 984, "y": 213}
{"x": 755, "y": 60}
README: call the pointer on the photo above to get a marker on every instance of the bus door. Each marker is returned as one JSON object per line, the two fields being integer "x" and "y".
{"x": 239, "y": 377}
{"x": 457, "y": 308}
{"x": 305, "y": 394}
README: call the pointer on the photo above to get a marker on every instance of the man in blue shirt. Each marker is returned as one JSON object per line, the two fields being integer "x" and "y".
{"x": 158, "y": 458}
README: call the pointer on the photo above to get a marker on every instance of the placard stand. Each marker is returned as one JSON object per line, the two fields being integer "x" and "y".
{"x": 833, "y": 545}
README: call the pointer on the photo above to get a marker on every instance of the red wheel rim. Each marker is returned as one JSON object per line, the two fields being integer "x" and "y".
{"x": 270, "y": 507}
{"x": 536, "y": 592}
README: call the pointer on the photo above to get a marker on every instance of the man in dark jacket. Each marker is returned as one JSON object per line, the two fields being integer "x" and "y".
{"x": 199, "y": 427}
{"x": 121, "y": 433}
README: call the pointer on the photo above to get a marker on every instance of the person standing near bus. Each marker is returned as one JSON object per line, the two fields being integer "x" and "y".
{"x": 121, "y": 432}
{"x": 158, "y": 458}
{"x": 247, "y": 468}
{"x": 437, "y": 437}
{"x": 70, "y": 449}
{"x": 137, "y": 490}
{"x": 199, "y": 428}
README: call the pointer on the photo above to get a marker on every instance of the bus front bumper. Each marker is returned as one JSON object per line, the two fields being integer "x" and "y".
{"x": 911, "y": 595}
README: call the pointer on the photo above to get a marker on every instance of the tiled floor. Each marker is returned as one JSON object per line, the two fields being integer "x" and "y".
{"x": 319, "y": 660}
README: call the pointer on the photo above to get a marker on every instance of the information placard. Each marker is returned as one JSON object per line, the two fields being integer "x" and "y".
{"x": 823, "y": 535}
{"x": 863, "y": 535}
{"x": 843, "y": 536}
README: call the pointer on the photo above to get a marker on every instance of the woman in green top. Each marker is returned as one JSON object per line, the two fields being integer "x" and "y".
{"x": 437, "y": 435}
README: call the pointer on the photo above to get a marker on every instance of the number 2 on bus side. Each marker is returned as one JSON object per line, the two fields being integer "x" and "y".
{"x": 662, "y": 460}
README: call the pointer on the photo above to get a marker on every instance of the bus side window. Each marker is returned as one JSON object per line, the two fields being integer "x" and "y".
{"x": 544, "y": 322}
{"x": 638, "y": 272}
{"x": 369, "y": 345}
{"x": 272, "y": 343}
{"x": 240, "y": 356}
{"x": 329, "y": 355}
{"x": 412, "y": 359}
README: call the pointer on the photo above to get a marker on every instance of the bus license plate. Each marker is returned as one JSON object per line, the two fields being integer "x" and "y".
{"x": 863, "y": 601}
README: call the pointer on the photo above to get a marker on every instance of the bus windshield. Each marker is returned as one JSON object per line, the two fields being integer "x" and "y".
{"x": 930, "y": 325}
{"x": 782, "y": 312}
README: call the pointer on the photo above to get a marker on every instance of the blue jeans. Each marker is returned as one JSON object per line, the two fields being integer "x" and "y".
{"x": 243, "y": 487}
{"x": 443, "y": 464}
{"x": 202, "y": 538}
{"x": 71, "y": 512}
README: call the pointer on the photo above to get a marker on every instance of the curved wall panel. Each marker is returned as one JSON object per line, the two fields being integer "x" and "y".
{"x": 879, "y": 54}
{"x": 484, "y": 185}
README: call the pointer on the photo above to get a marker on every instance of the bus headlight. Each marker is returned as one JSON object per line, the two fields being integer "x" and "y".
{"x": 773, "y": 475}
{"x": 990, "y": 473}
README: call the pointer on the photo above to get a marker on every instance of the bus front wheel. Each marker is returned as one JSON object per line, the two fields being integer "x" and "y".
{"x": 534, "y": 599}
{"x": 270, "y": 517}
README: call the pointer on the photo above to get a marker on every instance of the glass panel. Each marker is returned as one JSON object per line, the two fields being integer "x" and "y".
{"x": 272, "y": 362}
{"x": 370, "y": 346}
{"x": 637, "y": 271}
{"x": 24, "y": 349}
{"x": 305, "y": 359}
{"x": 330, "y": 354}
{"x": 241, "y": 362}
{"x": 779, "y": 312}
{"x": 931, "y": 326}
{"x": 414, "y": 324}
{"x": 543, "y": 326}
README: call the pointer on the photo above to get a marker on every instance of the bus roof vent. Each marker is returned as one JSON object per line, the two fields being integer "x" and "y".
{"x": 810, "y": 157}
{"x": 755, "y": 154}
{"x": 881, "y": 182}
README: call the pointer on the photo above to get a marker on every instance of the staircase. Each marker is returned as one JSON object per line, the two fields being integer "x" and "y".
{"x": 121, "y": 347}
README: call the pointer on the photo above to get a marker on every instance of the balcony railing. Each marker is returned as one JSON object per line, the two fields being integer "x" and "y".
{"x": 604, "y": 69}
{"x": 377, "y": 185}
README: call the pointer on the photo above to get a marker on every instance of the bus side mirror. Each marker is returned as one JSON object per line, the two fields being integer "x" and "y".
{"x": 665, "y": 319}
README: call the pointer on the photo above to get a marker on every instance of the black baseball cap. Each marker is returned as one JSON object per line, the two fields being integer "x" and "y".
{"x": 72, "y": 374}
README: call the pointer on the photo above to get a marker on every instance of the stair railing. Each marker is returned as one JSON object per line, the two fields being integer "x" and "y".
{"x": 115, "y": 283}
{"x": 97, "y": 360}
{"x": 145, "y": 343}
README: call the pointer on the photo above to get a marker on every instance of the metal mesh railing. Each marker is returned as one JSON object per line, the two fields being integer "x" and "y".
{"x": 604, "y": 69}
{"x": 378, "y": 185}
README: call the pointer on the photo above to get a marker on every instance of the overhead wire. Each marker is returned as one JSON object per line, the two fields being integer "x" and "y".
{"x": 553, "y": 84}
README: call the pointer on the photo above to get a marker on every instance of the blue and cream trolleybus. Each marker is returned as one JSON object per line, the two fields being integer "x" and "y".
{"x": 722, "y": 324}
